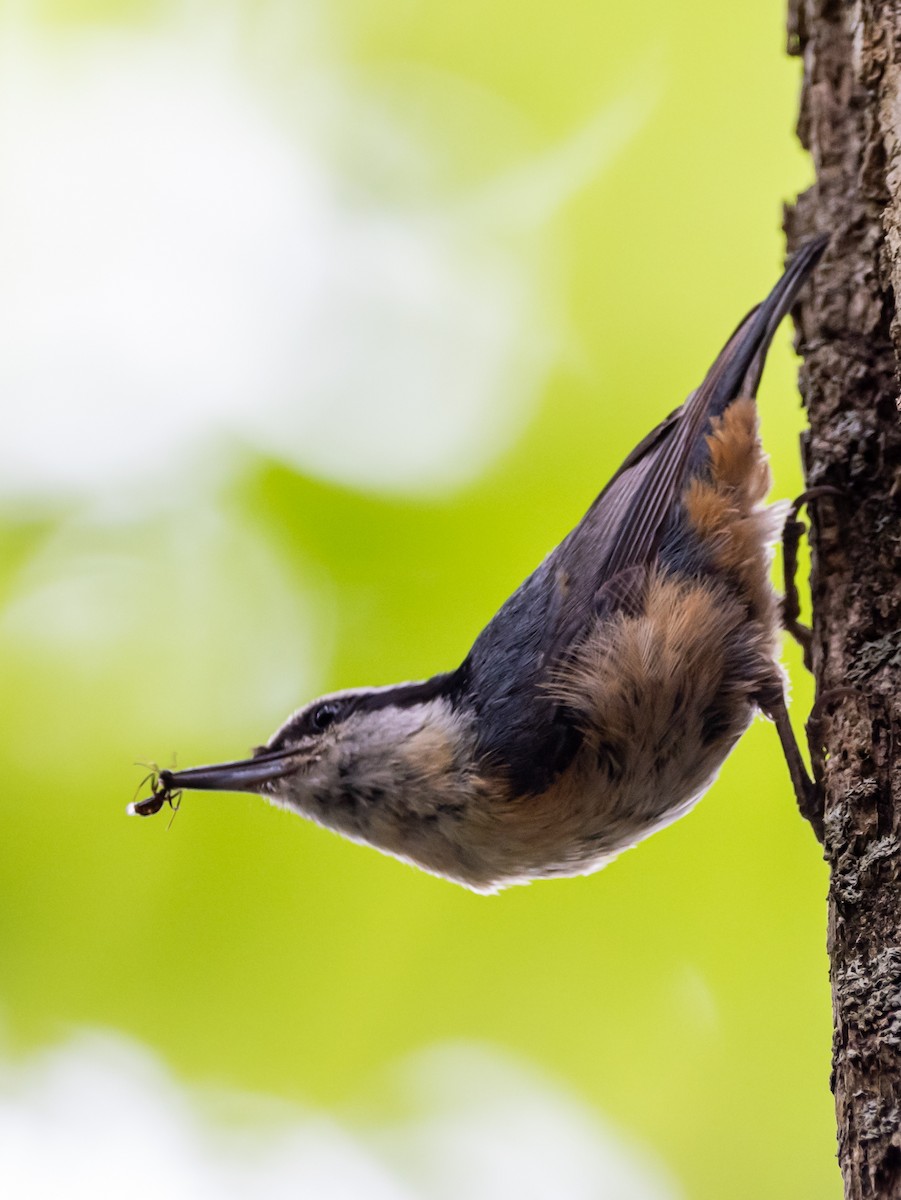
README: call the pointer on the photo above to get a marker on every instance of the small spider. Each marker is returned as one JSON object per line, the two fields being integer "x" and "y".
{"x": 161, "y": 793}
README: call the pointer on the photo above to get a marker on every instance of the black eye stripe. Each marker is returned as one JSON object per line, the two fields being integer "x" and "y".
{"x": 317, "y": 717}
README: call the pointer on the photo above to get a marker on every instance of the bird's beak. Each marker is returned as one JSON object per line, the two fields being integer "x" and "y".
{"x": 243, "y": 775}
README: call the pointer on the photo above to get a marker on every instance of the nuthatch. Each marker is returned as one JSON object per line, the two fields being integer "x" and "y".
{"x": 599, "y": 703}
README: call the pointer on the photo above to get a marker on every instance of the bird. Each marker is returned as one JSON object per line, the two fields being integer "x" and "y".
{"x": 599, "y": 703}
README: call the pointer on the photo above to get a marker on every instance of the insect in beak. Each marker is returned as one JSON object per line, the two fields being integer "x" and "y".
{"x": 242, "y": 775}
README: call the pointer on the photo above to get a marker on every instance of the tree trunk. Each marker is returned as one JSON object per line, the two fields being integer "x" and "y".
{"x": 850, "y": 332}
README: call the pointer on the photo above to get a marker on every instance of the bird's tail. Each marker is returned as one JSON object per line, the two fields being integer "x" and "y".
{"x": 739, "y": 365}
{"x": 641, "y": 495}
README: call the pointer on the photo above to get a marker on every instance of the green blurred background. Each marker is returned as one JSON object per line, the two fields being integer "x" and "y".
{"x": 321, "y": 325}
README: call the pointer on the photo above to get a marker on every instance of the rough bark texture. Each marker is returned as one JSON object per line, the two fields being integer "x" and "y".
{"x": 850, "y": 121}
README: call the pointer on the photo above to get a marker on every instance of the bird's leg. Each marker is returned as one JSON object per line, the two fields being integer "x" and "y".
{"x": 791, "y": 538}
{"x": 808, "y": 793}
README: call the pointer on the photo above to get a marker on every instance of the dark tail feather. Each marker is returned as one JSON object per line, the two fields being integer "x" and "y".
{"x": 805, "y": 260}
{"x": 739, "y": 365}
{"x": 661, "y": 471}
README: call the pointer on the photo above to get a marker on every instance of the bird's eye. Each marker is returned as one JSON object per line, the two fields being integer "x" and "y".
{"x": 324, "y": 715}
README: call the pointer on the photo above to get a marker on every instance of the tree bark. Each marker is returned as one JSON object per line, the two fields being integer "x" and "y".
{"x": 850, "y": 333}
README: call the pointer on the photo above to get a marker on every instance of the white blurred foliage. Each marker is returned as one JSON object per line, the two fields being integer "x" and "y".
{"x": 487, "y": 1126}
{"x": 100, "y": 1119}
{"x": 147, "y": 612}
{"x": 181, "y": 261}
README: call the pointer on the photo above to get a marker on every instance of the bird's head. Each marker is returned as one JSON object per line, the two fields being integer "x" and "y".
{"x": 392, "y": 767}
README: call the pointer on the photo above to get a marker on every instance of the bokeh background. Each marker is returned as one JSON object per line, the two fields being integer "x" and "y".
{"x": 320, "y": 324}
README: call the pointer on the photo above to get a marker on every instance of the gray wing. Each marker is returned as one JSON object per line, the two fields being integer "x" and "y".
{"x": 601, "y": 564}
